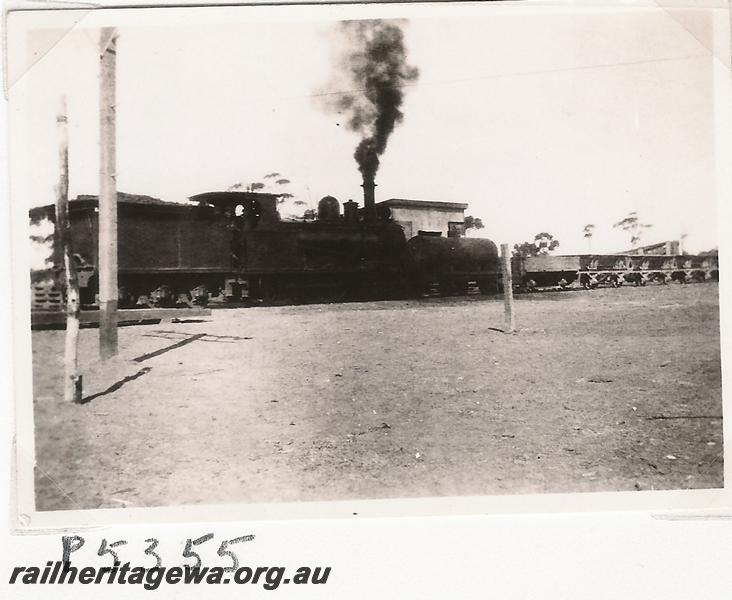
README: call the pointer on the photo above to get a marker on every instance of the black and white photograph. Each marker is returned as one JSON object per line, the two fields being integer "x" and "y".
{"x": 277, "y": 255}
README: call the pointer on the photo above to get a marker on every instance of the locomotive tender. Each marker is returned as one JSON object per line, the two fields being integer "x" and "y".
{"x": 234, "y": 246}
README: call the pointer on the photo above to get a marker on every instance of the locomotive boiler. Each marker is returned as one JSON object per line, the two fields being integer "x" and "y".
{"x": 334, "y": 257}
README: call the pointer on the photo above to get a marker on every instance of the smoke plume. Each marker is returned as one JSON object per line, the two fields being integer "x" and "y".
{"x": 374, "y": 64}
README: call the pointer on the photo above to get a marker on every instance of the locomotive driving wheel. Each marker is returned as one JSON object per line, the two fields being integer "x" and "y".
{"x": 446, "y": 287}
{"x": 199, "y": 295}
{"x": 162, "y": 296}
{"x": 487, "y": 286}
{"x": 271, "y": 290}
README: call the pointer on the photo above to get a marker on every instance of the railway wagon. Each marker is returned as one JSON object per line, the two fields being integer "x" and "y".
{"x": 453, "y": 263}
{"x": 607, "y": 269}
{"x": 593, "y": 270}
{"x": 545, "y": 271}
{"x": 683, "y": 268}
{"x": 167, "y": 253}
{"x": 642, "y": 269}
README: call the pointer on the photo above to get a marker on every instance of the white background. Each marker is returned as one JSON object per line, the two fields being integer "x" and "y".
{"x": 602, "y": 555}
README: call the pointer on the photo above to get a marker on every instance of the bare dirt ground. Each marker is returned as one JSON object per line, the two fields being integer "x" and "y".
{"x": 598, "y": 391}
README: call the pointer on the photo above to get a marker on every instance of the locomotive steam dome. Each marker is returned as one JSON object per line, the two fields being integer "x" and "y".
{"x": 329, "y": 209}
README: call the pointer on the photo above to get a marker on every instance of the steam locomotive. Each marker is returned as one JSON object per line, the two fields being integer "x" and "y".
{"x": 233, "y": 246}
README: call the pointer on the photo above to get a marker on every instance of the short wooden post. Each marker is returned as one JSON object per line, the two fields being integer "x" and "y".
{"x": 507, "y": 288}
{"x": 72, "y": 379}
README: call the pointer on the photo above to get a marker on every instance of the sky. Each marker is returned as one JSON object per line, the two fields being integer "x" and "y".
{"x": 542, "y": 121}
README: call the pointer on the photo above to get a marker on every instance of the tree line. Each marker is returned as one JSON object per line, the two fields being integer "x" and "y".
{"x": 544, "y": 242}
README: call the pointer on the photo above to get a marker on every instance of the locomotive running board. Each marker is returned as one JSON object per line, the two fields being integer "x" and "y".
{"x": 46, "y": 319}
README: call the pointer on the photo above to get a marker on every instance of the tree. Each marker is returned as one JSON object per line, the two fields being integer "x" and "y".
{"x": 589, "y": 231}
{"x": 272, "y": 183}
{"x": 473, "y": 223}
{"x": 543, "y": 244}
{"x": 633, "y": 226}
{"x": 45, "y": 256}
{"x": 247, "y": 187}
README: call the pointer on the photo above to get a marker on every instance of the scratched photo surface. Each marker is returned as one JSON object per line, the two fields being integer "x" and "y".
{"x": 311, "y": 296}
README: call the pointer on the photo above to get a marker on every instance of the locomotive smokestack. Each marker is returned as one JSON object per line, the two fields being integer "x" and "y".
{"x": 369, "y": 201}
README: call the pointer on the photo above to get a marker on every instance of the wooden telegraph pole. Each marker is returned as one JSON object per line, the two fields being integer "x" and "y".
{"x": 108, "y": 293}
{"x": 62, "y": 237}
{"x": 507, "y": 289}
